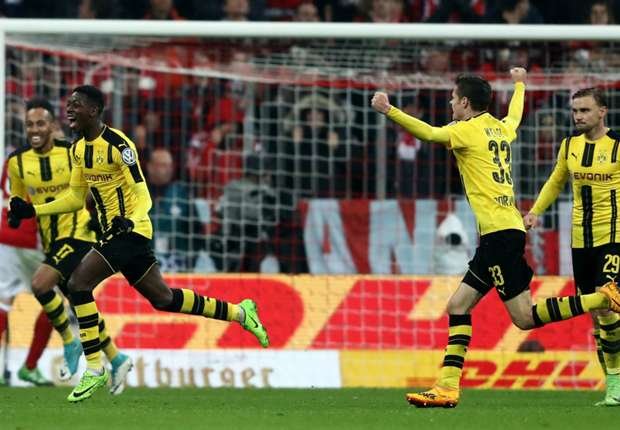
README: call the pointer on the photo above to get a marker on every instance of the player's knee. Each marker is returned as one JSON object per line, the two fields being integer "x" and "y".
{"x": 75, "y": 283}
{"x": 456, "y": 307}
{"x": 523, "y": 322}
{"x": 39, "y": 286}
{"x": 161, "y": 300}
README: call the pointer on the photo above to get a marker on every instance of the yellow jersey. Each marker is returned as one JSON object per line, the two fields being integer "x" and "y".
{"x": 41, "y": 178}
{"x": 482, "y": 148}
{"x": 109, "y": 166}
{"x": 594, "y": 169}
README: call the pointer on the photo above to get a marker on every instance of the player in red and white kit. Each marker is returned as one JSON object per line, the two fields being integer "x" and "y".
{"x": 19, "y": 258}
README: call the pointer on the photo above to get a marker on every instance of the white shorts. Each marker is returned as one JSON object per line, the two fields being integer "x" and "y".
{"x": 17, "y": 265}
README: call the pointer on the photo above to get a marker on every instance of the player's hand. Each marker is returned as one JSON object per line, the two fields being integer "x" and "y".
{"x": 94, "y": 225}
{"x": 380, "y": 102}
{"x": 19, "y": 209}
{"x": 13, "y": 221}
{"x": 119, "y": 226}
{"x": 530, "y": 221}
{"x": 518, "y": 74}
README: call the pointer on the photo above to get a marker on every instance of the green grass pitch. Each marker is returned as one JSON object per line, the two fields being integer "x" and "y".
{"x": 180, "y": 409}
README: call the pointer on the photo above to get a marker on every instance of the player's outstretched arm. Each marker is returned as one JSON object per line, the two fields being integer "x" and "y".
{"x": 515, "y": 109}
{"x": 69, "y": 201}
{"x": 418, "y": 128}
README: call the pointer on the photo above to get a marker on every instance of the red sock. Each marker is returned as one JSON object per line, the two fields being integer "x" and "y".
{"x": 4, "y": 321}
{"x": 42, "y": 332}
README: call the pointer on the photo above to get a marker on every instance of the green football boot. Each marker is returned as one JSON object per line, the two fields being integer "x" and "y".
{"x": 33, "y": 376}
{"x": 252, "y": 323}
{"x": 89, "y": 383}
{"x": 612, "y": 395}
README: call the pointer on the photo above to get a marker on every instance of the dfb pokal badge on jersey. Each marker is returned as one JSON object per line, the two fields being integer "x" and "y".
{"x": 129, "y": 157}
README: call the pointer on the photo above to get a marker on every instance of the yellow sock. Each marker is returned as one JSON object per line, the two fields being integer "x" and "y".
{"x": 106, "y": 343}
{"x": 54, "y": 307}
{"x": 563, "y": 308}
{"x": 88, "y": 319}
{"x": 599, "y": 349}
{"x": 460, "y": 331}
{"x": 610, "y": 341}
{"x": 188, "y": 302}
{"x": 594, "y": 301}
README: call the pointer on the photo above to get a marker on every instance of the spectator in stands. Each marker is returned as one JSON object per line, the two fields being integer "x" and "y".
{"x": 441, "y": 11}
{"x": 313, "y": 158}
{"x": 514, "y": 12}
{"x": 162, "y": 10}
{"x": 338, "y": 10}
{"x": 215, "y": 153}
{"x": 97, "y": 9}
{"x": 248, "y": 214}
{"x": 236, "y": 10}
{"x": 177, "y": 233}
{"x": 307, "y": 12}
{"x": 597, "y": 56}
{"x": 601, "y": 13}
{"x": 383, "y": 11}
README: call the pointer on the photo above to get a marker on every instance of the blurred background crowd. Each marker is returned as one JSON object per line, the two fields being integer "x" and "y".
{"x": 470, "y": 11}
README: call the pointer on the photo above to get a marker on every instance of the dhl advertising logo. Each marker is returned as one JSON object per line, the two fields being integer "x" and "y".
{"x": 386, "y": 331}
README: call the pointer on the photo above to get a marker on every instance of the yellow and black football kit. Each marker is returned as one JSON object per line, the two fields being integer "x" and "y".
{"x": 108, "y": 166}
{"x": 594, "y": 170}
{"x": 41, "y": 178}
{"x": 482, "y": 148}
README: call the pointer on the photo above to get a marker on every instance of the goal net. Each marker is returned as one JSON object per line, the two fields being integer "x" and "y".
{"x": 264, "y": 156}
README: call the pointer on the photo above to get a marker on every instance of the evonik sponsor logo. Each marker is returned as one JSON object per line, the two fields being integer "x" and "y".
{"x": 599, "y": 177}
{"x": 98, "y": 178}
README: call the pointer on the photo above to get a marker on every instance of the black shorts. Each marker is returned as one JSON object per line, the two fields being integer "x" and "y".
{"x": 131, "y": 254}
{"x": 64, "y": 256}
{"x": 499, "y": 262}
{"x": 594, "y": 267}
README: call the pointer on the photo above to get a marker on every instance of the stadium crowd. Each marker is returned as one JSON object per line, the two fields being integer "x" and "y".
{"x": 469, "y": 11}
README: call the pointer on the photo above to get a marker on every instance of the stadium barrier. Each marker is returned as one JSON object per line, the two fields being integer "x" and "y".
{"x": 331, "y": 331}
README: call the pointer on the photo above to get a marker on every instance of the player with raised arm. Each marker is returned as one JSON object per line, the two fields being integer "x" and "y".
{"x": 481, "y": 146}
{"x": 590, "y": 159}
{"x": 39, "y": 172}
{"x": 106, "y": 163}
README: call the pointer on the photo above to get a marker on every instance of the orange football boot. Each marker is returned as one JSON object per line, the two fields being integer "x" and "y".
{"x": 436, "y": 397}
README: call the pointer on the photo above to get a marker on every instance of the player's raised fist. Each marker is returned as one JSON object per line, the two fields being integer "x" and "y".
{"x": 518, "y": 74}
{"x": 380, "y": 102}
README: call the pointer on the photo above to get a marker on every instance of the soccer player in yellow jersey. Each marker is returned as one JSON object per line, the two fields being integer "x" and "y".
{"x": 482, "y": 146}
{"x": 590, "y": 159}
{"x": 106, "y": 163}
{"x": 39, "y": 172}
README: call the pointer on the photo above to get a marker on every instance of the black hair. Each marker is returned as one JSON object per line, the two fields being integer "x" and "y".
{"x": 93, "y": 94}
{"x": 476, "y": 89}
{"x": 39, "y": 102}
{"x": 596, "y": 93}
